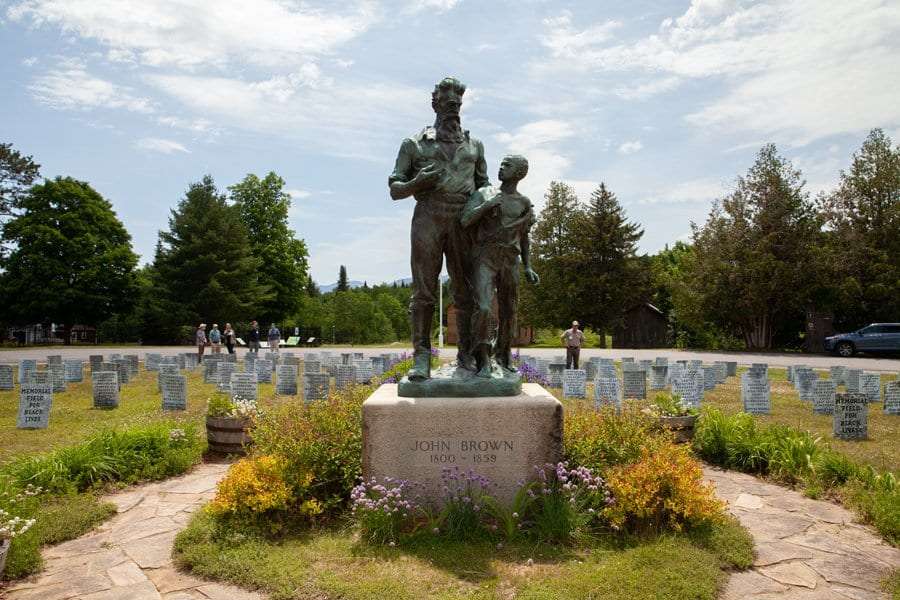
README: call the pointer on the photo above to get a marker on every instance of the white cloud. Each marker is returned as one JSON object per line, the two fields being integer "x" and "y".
{"x": 71, "y": 87}
{"x": 793, "y": 71}
{"x": 30, "y": 61}
{"x": 297, "y": 194}
{"x": 160, "y": 145}
{"x": 685, "y": 192}
{"x": 631, "y": 147}
{"x": 439, "y": 6}
{"x": 190, "y": 33}
{"x": 540, "y": 142}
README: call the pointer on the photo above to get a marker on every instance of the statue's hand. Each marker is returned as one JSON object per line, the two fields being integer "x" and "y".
{"x": 426, "y": 178}
{"x": 532, "y": 277}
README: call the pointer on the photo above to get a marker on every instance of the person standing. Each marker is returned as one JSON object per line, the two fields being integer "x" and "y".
{"x": 274, "y": 338}
{"x": 253, "y": 338}
{"x": 200, "y": 341}
{"x": 230, "y": 338}
{"x": 215, "y": 339}
{"x": 573, "y": 339}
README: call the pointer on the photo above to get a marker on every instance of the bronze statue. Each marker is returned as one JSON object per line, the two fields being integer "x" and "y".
{"x": 500, "y": 220}
{"x": 441, "y": 166}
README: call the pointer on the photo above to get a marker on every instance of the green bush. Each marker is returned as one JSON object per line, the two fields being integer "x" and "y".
{"x": 601, "y": 439}
{"x": 322, "y": 439}
{"x": 150, "y": 452}
{"x": 551, "y": 338}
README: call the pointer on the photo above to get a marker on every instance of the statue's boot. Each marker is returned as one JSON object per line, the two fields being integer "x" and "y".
{"x": 483, "y": 360}
{"x": 421, "y": 338}
{"x": 464, "y": 356}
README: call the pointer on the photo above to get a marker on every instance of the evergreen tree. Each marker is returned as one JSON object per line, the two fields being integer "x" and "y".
{"x": 343, "y": 285}
{"x": 17, "y": 173}
{"x": 863, "y": 218}
{"x": 611, "y": 277}
{"x": 755, "y": 260}
{"x": 553, "y": 256}
{"x": 263, "y": 206}
{"x": 71, "y": 262}
{"x": 204, "y": 266}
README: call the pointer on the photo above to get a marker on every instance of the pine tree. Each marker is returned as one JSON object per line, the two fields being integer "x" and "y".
{"x": 263, "y": 206}
{"x": 553, "y": 303}
{"x": 71, "y": 262}
{"x": 343, "y": 285}
{"x": 863, "y": 218}
{"x": 611, "y": 277}
{"x": 205, "y": 265}
{"x": 755, "y": 259}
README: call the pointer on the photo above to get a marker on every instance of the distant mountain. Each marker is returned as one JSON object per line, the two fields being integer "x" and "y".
{"x": 330, "y": 287}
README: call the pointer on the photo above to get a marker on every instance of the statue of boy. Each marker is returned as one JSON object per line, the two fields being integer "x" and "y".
{"x": 500, "y": 221}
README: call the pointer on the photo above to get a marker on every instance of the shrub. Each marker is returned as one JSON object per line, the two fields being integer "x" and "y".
{"x": 252, "y": 487}
{"x": 465, "y": 495}
{"x": 664, "y": 489}
{"x": 384, "y": 513}
{"x": 601, "y": 439}
{"x": 729, "y": 441}
{"x": 567, "y": 504}
{"x": 321, "y": 440}
{"x": 149, "y": 452}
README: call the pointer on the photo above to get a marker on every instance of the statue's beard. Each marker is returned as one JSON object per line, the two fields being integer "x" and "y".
{"x": 448, "y": 127}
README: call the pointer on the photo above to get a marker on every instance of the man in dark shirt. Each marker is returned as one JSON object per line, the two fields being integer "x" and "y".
{"x": 253, "y": 338}
{"x": 440, "y": 166}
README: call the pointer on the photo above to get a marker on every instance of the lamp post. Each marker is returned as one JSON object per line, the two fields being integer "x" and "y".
{"x": 440, "y": 313}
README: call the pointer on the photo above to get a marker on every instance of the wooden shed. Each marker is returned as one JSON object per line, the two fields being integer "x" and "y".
{"x": 644, "y": 326}
{"x": 525, "y": 337}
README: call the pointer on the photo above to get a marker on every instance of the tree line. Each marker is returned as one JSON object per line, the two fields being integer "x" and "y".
{"x": 766, "y": 256}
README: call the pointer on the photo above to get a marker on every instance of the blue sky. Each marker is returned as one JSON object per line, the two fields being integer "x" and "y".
{"x": 666, "y": 102}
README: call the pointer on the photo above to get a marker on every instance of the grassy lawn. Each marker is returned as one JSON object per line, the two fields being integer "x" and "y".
{"x": 331, "y": 563}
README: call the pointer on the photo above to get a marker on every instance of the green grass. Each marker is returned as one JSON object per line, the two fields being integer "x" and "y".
{"x": 891, "y": 584}
{"x": 332, "y": 563}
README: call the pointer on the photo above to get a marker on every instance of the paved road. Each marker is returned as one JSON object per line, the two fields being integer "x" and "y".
{"x": 820, "y": 361}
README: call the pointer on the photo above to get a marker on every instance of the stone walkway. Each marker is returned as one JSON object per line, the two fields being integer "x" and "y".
{"x": 129, "y": 556}
{"x": 806, "y": 549}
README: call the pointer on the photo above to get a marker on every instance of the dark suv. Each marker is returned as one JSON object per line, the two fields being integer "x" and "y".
{"x": 877, "y": 337}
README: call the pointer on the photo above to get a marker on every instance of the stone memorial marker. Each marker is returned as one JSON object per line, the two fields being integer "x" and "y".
{"x": 315, "y": 385}
{"x": 805, "y": 379}
{"x": 658, "y": 377}
{"x": 95, "y": 360}
{"x": 74, "y": 370}
{"x": 634, "y": 384}
{"x": 710, "y": 376}
{"x": 556, "y": 372}
{"x": 210, "y": 371}
{"x": 286, "y": 380}
{"x": 695, "y": 364}
{"x": 312, "y": 356}
{"x": 574, "y": 383}
{"x": 312, "y": 366}
{"x": 631, "y": 366}
{"x": 731, "y": 368}
{"x": 645, "y": 365}
{"x": 35, "y": 401}
{"x": 38, "y": 377}
{"x": 133, "y": 363}
{"x": 590, "y": 368}
{"x": 168, "y": 369}
{"x": 892, "y": 397}
{"x": 851, "y": 380}
{"x": 838, "y": 374}
{"x": 755, "y": 394}
{"x": 358, "y": 356}
{"x": 760, "y": 367}
{"x": 26, "y": 366}
{"x": 54, "y": 359}
{"x": 344, "y": 376}
{"x": 6, "y": 377}
{"x": 870, "y": 386}
{"x": 543, "y": 368}
{"x": 181, "y": 361}
{"x": 151, "y": 361}
{"x": 345, "y": 358}
{"x": 174, "y": 392}
{"x": 331, "y": 363}
{"x": 377, "y": 365}
{"x": 263, "y": 371}
{"x": 823, "y": 396}
{"x": 105, "y": 387}
{"x": 721, "y": 371}
{"x": 607, "y": 393}
{"x": 627, "y": 359}
{"x": 114, "y": 357}
{"x": 124, "y": 370}
{"x": 57, "y": 377}
{"x": 364, "y": 371}
{"x": 661, "y": 361}
{"x": 689, "y": 387}
{"x": 244, "y": 387}
{"x": 851, "y": 413}
{"x": 223, "y": 376}
{"x": 675, "y": 371}
{"x": 604, "y": 370}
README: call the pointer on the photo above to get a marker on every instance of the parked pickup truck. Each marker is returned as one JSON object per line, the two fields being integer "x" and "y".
{"x": 877, "y": 337}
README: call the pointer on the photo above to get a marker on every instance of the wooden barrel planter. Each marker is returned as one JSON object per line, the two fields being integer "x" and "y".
{"x": 227, "y": 435}
{"x": 682, "y": 428}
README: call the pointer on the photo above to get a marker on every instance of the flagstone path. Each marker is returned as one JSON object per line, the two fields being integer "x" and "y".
{"x": 806, "y": 549}
{"x": 129, "y": 556}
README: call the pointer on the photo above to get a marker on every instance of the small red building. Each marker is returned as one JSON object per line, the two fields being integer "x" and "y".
{"x": 525, "y": 337}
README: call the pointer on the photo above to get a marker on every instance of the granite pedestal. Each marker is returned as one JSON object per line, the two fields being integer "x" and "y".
{"x": 500, "y": 437}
